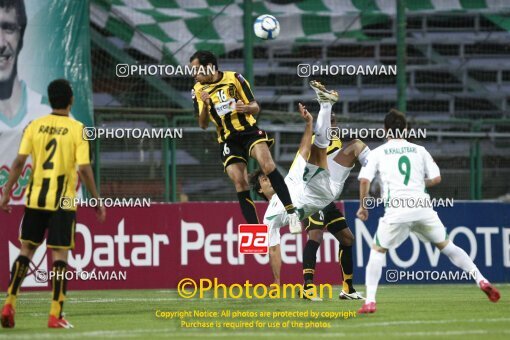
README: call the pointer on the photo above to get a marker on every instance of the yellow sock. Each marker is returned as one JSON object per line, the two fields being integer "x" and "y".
{"x": 11, "y": 299}
{"x": 55, "y": 309}
{"x": 345, "y": 285}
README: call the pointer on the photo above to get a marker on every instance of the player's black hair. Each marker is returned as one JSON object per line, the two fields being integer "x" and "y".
{"x": 60, "y": 94}
{"x": 255, "y": 184}
{"x": 205, "y": 58}
{"x": 21, "y": 16}
{"x": 395, "y": 121}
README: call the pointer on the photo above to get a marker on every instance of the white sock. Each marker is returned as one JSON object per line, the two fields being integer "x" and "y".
{"x": 362, "y": 157}
{"x": 373, "y": 274}
{"x": 462, "y": 260}
{"x": 322, "y": 125}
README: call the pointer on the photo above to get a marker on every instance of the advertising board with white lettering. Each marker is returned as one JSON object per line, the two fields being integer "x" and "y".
{"x": 156, "y": 246}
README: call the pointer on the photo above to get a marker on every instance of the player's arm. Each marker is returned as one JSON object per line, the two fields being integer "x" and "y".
{"x": 16, "y": 169}
{"x": 366, "y": 175}
{"x": 203, "y": 105}
{"x": 433, "y": 176}
{"x": 250, "y": 108}
{"x": 306, "y": 141}
{"x": 364, "y": 187}
{"x": 246, "y": 104}
{"x": 82, "y": 154}
{"x": 87, "y": 178}
{"x": 431, "y": 182}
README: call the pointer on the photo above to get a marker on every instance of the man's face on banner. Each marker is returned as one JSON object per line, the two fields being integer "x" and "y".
{"x": 9, "y": 41}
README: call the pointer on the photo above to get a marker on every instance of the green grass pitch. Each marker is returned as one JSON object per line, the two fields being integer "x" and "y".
{"x": 404, "y": 311}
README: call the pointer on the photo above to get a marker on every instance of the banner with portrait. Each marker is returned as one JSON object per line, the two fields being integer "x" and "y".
{"x": 42, "y": 40}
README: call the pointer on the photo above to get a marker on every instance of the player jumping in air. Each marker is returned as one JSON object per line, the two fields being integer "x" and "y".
{"x": 57, "y": 147}
{"x": 314, "y": 179}
{"x": 406, "y": 170}
{"x": 226, "y": 99}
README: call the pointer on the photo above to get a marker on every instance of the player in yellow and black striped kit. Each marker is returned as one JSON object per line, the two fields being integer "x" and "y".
{"x": 58, "y": 149}
{"x": 226, "y": 99}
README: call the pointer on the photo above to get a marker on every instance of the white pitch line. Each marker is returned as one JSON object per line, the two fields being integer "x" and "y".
{"x": 167, "y": 332}
{"x": 109, "y": 300}
{"x": 414, "y": 322}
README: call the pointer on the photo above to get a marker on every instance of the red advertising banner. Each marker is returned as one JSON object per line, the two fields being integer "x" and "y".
{"x": 156, "y": 247}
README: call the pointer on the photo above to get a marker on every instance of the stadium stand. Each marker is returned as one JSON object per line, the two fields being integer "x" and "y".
{"x": 457, "y": 67}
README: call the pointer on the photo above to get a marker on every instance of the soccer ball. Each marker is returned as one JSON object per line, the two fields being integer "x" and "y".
{"x": 266, "y": 27}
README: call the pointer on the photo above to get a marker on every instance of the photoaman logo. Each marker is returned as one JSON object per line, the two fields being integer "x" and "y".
{"x": 253, "y": 238}
{"x": 188, "y": 288}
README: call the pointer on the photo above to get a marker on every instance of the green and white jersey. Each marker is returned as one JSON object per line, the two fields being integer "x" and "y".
{"x": 403, "y": 168}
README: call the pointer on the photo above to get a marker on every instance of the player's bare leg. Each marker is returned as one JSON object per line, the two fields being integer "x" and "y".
{"x": 18, "y": 273}
{"x": 462, "y": 260}
{"x": 261, "y": 153}
{"x": 238, "y": 174}
{"x": 59, "y": 288}
{"x": 351, "y": 152}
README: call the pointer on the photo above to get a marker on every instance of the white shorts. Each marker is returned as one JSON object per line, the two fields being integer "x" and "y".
{"x": 310, "y": 186}
{"x": 428, "y": 229}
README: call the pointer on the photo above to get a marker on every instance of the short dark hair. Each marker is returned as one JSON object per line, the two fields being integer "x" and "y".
{"x": 205, "y": 58}
{"x": 60, "y": 94}
{"x": 395, "y": 121}
{"x": 21, "y": 16}
{"x": 255, "y": 183}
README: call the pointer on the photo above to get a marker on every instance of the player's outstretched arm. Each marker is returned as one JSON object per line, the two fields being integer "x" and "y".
{"x": 306, "y": 141}
{"x": 364, "y": 186}
{"x": 203, "y": 115}
{"x": 87, "y": 177}
{"x": 16, "y": 168}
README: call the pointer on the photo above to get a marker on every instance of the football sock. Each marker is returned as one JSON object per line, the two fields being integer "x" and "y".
{"x": 281, "y": 190}
{"x": 362, "y": 157}
{"x": 18, "y": 272}
{"x": 309, "y": 260}
{"x": 347, "y": 268}
{"x": 322, "y": 125}
{"x": 462, "y": 260}
{"x": 373, "y": 273}
{"x": 247, "y": 207}
{"x": 59, "y": 288}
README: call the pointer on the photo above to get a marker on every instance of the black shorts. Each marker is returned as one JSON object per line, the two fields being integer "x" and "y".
{"x": 329, "y": 217}
{"x": 60, "y": 224}
{"x": 238, "y": 146}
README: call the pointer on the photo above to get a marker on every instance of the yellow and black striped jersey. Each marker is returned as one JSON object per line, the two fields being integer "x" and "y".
{"x": 56, "y": 145}
{"x": 224, "y": 94}
{"x": 334, "y": 145}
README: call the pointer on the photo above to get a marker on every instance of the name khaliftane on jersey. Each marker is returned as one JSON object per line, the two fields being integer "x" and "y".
{"x": 57, "y": 146}
{"x": 224, "y": 94}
